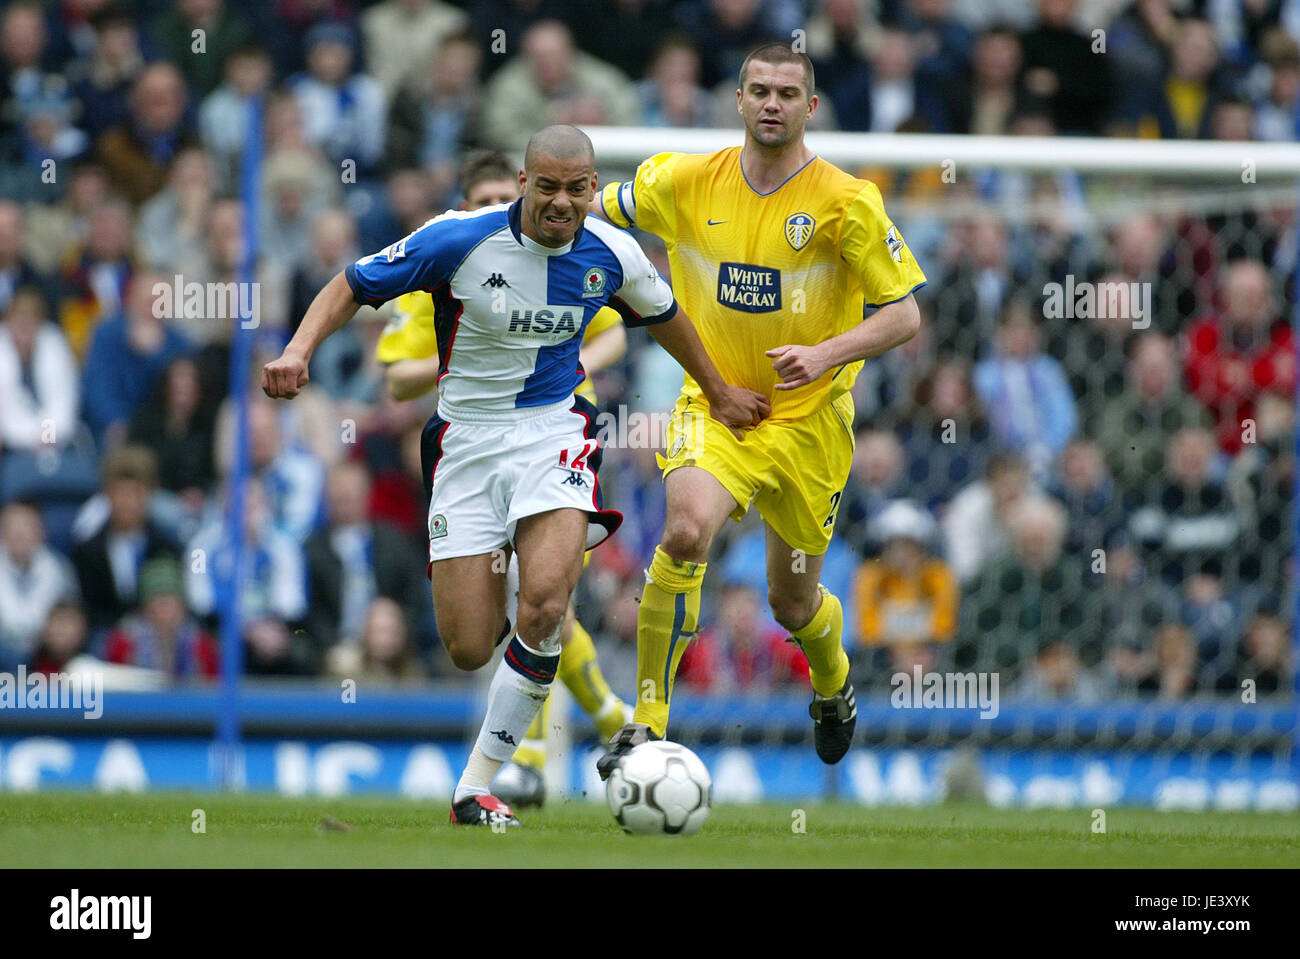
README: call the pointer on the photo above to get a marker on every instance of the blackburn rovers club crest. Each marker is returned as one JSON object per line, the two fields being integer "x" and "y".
{"x": 799, "y": 229}
{"x": 593, "y": 282}
{"x": 437, "y": 526}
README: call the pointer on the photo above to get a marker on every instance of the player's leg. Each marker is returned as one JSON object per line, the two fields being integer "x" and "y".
{"x": 550, "y": 547}
{"x": 669, "y": 614}
{"x": 800, "y": 516}
{"x": 469, "y": 603}
{"x": 581, "y": 674}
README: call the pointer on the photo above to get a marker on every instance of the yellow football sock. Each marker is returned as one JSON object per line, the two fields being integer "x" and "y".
{"x": 532, "y": 751}
{"x": 580, "y": 672}
{"x": 822, "y": 642}
{"x": 665, "y": 625}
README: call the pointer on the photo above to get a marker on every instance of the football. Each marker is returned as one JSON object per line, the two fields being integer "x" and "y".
{"x": 660, "y": 787}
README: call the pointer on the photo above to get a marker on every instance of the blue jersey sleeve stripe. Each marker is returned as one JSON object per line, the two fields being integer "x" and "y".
{"x": 876, "y": 306}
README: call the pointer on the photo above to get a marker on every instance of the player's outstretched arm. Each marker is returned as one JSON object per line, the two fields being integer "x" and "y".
{"x": 333, "y": 306}
{"x": 890, "y": 326}
{"x": 409, "y": 379}
{"x": 733, "y": 406}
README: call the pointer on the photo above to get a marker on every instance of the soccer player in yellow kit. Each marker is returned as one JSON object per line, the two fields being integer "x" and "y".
{"x": 776, "y": 254}
{"x": 408, "y": 348}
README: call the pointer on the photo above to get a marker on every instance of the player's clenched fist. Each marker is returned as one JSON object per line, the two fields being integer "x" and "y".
{"x": 737, "y": 407}
{"x": 283, "y": 378}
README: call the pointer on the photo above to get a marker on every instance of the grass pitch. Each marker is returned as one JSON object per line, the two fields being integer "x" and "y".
{"x": 79, "y": 830}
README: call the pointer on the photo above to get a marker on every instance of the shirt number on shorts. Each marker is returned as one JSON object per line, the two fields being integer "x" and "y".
{"x": 835, "y": 504}
{"x": 579, "y": 462}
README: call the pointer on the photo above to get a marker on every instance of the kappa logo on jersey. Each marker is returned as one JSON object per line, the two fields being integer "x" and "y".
{"x": 895, "y": 244}
{"x": 593, "y": 283}
{"x": 437, "y": 526}
{"x": 496, "y": 281}
{"x": 799, "y": 229}
{"x": 752, "y": 289}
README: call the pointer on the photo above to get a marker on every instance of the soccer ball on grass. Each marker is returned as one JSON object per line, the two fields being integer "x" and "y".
{"x": 660, "y": 787}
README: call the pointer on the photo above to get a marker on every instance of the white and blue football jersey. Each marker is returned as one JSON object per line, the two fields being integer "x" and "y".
{"x": 509, "y": 312}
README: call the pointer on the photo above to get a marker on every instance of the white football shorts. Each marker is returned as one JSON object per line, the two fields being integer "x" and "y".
{"x": 482, "y": 477}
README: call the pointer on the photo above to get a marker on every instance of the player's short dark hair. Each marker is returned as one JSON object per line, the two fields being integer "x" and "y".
{"x": 485, "y": 165}
{"x": 781, "y": 53}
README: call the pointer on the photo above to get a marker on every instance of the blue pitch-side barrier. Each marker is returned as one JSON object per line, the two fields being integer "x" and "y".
{"x": 307, "y": 740}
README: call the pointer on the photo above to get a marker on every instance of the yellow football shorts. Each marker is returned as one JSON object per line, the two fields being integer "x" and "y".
{"x": 793, "y": 471}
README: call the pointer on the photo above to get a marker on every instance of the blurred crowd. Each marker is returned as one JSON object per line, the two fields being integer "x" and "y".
{"x": 1090, "y": 505}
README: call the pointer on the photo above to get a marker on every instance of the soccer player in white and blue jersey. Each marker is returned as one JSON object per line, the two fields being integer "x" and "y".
{"x": 511, "y": 457}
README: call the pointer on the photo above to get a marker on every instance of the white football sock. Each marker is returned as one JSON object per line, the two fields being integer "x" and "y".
{"x": 519, "y": 688}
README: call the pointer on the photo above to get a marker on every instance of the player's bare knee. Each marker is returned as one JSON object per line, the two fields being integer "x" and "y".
{"x": 542, "y": 616}
{"x": 686, "y": 539}
{"x": 793, "y": 610}
{"x": 467, "y": 653}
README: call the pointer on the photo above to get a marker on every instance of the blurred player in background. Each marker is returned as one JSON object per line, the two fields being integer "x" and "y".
{"x": 511, "y": 457}
{"x": 409, "y": 350}
{"x": 775, "y": 253}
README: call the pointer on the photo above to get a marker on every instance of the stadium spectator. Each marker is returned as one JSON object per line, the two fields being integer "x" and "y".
{"x": 975, "y": 524}
{"x": 630, "y": 33}
{"x": 176, "y": 424}
{"x": 220, "y": 30}
{"x": 33, "y": 580}
{"x": 24, "y": 68}
{"x": 38, "y": 379}
{"x": 401, "y": 36}
{"x": 273, "y": 595}
{"x": 1243, "y": 350}
{"x": 16, "y": 270}
{"x": 839, "y": 44}
{"x": 435, "y": 121}
{"x": 1093, "y": 505}
{"x": 1133, "y": 604}
{"x": 63, "y": 638}
{"x": 108, "y": 563}
{"x": 115, "y": 64}
{"x": 985, "y": 101}
{"x": 1264, "y": 664}
{"x": 1277, "y": 117}
{"x": 353, "y": 560}
{"x": 293, "y": 202}
{"x": 162, "y": 635}
{"x": 671, "y": 95}
{"x": 1028, "y": 399}
{"x": 52, "y": 230}
{"x": 1142, "y": 252}
{"x": 907, "y": 599}
{"x": 1173, "y": 669}
{"x": 292, "y": 480}
{"x": 977, "y": 288}
{"x": 384, "y": 654}
{"x": 1190, "y": 524}
{"x": 1136, "y": 426}
{"x": 877, "y": 475}
{"x": 95, "y": 274}
{"x": 1032, "y": 599}
{"x": 553, "y": 82}
{"x": 223, "y": 114}
{"x": 739, "y": 653}
{"x": 725, "y": 31}
{"x": 1181, "y": 104}
{"x": 1216, "y": 614}
{"x": 1094, "y": 346}
{"x": 1064, "y": 72}
{"x": 127, "y": 355}
{"x": 1057, "y": 673}
{"x": 137, "y": 151}
{"x": 171, "y": 227}
{"x": 1261, "y": 484}
{"x": 945, "y": 436}
{"x": 894, "y": 94}
{"x": 293, "y": 20}
{"x": 343, "y": 111}
{"x": 1140, "y": 40}
{"x": 941, "y": 44}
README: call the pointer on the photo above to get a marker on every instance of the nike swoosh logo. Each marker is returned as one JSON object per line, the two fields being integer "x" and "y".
{"x": 716, "y": 222}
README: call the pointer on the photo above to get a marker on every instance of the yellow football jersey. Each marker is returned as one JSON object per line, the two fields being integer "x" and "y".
{"x": 410, "y": 334}
{"x": 757, "y": 271}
